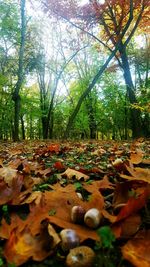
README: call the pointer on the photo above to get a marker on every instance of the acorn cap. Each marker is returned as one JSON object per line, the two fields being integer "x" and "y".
{"x": 81, "y": 256}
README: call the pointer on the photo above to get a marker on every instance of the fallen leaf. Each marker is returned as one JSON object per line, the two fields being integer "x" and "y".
{"x": 22, "y": 246}
{"x": 137, "y": 174}
{"x": 43, "y": 173}
{"x": 54, "y": 148}
{"x": 8, "y": 174}
{"x": 70, "y": 173}
{"x": 56, "y": 239}
{"x": 134, "y": 204}
{"x": 136, "y": 250}
{"x": 99, "y": 186}
{"x": 128, "y": 227}
{"x": 58, "y": 165}
{"x": 136, "y": 157}
{"x": 10, "y": 194}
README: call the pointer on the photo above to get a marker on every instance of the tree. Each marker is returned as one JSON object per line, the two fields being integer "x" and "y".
{"x": 51, "y": 69}
{"x": 118, "y": 21}
{"x": 140, "y": 60}
{"x": 9, "y": 32}
{"x": 20, "y": 74}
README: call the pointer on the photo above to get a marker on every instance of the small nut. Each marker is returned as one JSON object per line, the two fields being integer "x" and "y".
{"x": 118, "y": 164}
{"x": 77, "y": 214}
{"x": 82, "y": 256}
{"x": 92, "y": 218}
{"x": 69, "y": 239}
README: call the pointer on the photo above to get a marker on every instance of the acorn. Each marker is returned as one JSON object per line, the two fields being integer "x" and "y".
{"x": 118, "y": 164}
{"x": 69, "y": 239}
{"x": 81, "y": 256}
{"x": 77, "y": 214}
{"x": 92, "y": 218}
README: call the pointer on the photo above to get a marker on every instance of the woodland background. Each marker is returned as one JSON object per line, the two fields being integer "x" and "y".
{"x": 73, "y": 70}
{"x": 77, "y": 69}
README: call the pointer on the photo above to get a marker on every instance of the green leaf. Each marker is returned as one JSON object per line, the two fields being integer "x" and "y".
{"x": 106, "y": 236}
{"x": 5, "y": 208}
{"x": 11, "y": 265}
{"x": 78, "y": 185}
{"x": 1, "y": 262}
{"x": 52, "y": 212}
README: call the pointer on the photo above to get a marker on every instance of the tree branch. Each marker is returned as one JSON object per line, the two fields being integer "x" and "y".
{"x": 135, "y": 26}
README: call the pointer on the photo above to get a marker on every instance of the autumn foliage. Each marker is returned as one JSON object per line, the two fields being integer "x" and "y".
{"x": 113, "y": 15}
{"x": 41, "y": 182}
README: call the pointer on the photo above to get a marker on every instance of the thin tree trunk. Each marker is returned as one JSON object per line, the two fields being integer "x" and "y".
{"x": 126, "y": 120}
{"x": 86, "y": 92}
{"x": 51, "y": 125}
{"x": 91, "y": 116}
{"x": 16, "y": 96}
{"x": 135, "y": 114}
{"x": 23, "y": 128}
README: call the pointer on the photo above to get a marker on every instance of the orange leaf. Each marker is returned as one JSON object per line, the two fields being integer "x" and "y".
{"x": 58, "y": 165}
{"x": 108, "y": 216}
{"x": 138, "y": 174}
{"x": 8, "y": 174}
{"x": 136, "y": 250}
{"x": 43, "y": 173}
{"x": 128, "y": 227}
{"x": 136, "y": 157}
{"x": 7, "y": 193}
{"x": 22, "y": 246}
{"x": 134, "y": 204}
{"x": 54, "y": 148}
{"x": 78, "y": 175}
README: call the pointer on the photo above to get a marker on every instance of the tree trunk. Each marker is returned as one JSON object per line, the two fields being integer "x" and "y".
{"x": 23, "y": 128}
{"x": 49, "y": 118}
{"x": 51, "y": 125}
{"x": 91, "y": 116}
{"x": 15, "y": 95}
{"x": 135, "y": 114}
{"x": 17, "y": 103}
{"x": 44, "y": 127}
{"x": 86, "y": 92}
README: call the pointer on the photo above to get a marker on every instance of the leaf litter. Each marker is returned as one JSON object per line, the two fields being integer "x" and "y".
{"x": 40, "y": 183}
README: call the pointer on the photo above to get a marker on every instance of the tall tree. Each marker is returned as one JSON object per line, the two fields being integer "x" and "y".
{"x": 9, "y": 31}
{"x": 20, "y": 75}
{"x": 117, "y": 21}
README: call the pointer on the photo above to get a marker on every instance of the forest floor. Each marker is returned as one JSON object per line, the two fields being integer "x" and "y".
{"x": 41, "y": 182}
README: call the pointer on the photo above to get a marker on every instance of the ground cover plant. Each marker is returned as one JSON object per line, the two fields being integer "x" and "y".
{"x": 48, "y": 187}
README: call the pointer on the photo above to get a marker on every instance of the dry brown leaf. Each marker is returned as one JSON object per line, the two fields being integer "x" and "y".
{"x": 98, "y": 186}
{"x": 121, "y": 193}
{"x": 138, "y": 174}
{"x": 146, "y": 161}
{"x": 56, "y": 239}
{"x": 136, "y": 157}
{"x": 10, "y": 194}
{"x": 70, "y": 173}
{"x": 1, "y": 162}
{"x": 43, "y": 173}
{"x": 128, "y": 227}
{"x": 22, "y": 246}
{"x": 8, "y": 174}
{"x": 137, "y": 251}
{"x": 134, "y": 204}
{"x": 110, "y": 217}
